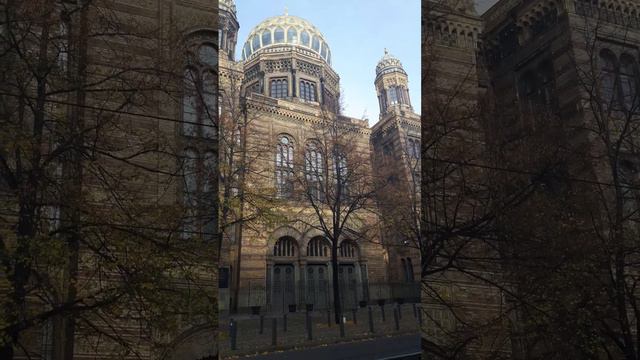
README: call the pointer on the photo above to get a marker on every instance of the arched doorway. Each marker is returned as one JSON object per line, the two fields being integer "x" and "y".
{"x": 285, "y": 252}
{"x": 318, "y": 287}
{"x": 348, "y": 274}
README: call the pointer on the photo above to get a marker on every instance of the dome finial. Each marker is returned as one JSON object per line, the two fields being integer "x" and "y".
{"x": 386, "y": 52}
{"x": 286, "y": 11}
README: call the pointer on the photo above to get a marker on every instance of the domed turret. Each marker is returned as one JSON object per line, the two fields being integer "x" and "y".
{"x": 228, "y": 27}
{"x": 387, "y": 64}
{"x": 286, "y": 30}
{"x": 392, "y": 85}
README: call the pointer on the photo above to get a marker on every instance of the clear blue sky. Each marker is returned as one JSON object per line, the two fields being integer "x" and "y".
{"x": 357, "y": 32}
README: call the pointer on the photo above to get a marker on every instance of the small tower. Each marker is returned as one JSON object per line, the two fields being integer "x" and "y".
{"x": 228, "y": 27}
{"x": 392, "y": 85}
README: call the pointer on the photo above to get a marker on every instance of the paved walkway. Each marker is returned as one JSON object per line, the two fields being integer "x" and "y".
{"x": 250, "y": 341}
{"x": 385, "y": 348}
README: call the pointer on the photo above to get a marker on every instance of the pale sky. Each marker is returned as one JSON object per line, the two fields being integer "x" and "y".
{"x": 357, "y": 32}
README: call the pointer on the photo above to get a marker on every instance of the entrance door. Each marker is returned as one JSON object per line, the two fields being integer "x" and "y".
{"x": 348, "y": 286}
{"x": 283, "y": 287}
{"x": 317, "y": 286}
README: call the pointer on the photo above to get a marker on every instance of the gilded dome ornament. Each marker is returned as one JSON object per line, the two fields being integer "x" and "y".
{"x": 286, "y": 30}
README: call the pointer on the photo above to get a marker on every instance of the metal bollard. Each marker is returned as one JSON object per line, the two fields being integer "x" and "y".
{"x": 261, "y": 324}
{"x": 370, "y": 320}
{"x": 384, "y": 319}
{"x": 415, "y": 311}
{"x": 328, "y": 318}
{"x": 274, "y": 331}
{"x": 420, "y": 317}
{"x": 355, "y": 316}
{"x": 341, "y": 326}
{"x": 284, "y": 322}
{"x": 399, "y": 310}
{"x": 396, "y": 317}
{"x": 309, "y": 328}
{"x": 233, "y": 333}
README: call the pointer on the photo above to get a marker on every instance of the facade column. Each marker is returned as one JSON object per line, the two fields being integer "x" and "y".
{"x": 269, "y": 285}
{"x": 302, "y": 288}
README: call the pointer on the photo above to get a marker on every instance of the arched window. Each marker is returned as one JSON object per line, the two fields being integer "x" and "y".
{"x": 404, "y": 269}
{"x": 285, "y": 246}
{"x": 304, "y": 38}
{"x": 278, "y": 35}
{"x": 209, "y": 105}
{"x": 307, "y": 90}
{"x": 266, "y": 38}
{"x": 323, "y": 52}
{"x": 348, "y": 249}
{"x": 292, "y": 35}
{"x": 189, "y": 192}
{"x": 341, "y": 173}
{"x": 393, "y": 95}
{"x": 314, "y": 170}
{"x": 628, "y": 81}
{"x": 200, "y": 94}
{"x": 279, "y": 88}
{"x": 318, "y": 247}
{"x": 413, "y": 147}
{"x": 255, "y": 42}
{"x": 284, "y": 166}
{"x": 315, "y": 43}
{"x": 189, "y": 103}
{"x": 410, "y": 270}
{"x": 608, "y": 79}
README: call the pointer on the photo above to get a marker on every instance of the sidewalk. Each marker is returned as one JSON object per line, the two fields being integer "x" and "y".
{"x": 250, "y": 341}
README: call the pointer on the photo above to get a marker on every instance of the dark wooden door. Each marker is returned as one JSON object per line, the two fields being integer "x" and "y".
{"x": 317, "y": 286}
{"x": 283, "y": 287}
{"x": 348, "y": 286}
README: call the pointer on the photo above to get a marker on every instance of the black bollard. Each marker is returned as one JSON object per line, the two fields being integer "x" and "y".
{"x": 384, "y": 319}
{"x": 274, "y": 331}
{"x": 328, "y": 318}
{"x": 309, "y": 328}
{"x": 396, "y": 317}
{"x": 341, "y": 326}
{"x": 399, "y": 310}
{"x": 284, "y": 322}
{"x": 420, "y": 317}
{"x": 370, "y": 320}
{"x": 261, "y": 324}
{"x": 355, "y": 316}
{"x": 415, "y": 311}
{"x": 233, "y": 333}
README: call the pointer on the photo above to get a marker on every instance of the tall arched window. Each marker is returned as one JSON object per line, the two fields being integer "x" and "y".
{"x": 266, "y": 38}
{"x": 318, "y": 247}
{"x": 278, "y": 35}
{"x": 200, "y": 94}
{"x": 410, "y": 269}
{"x": 341, "y": 173}
{"x": 608, "y": 79}
{"x": 292, "y": 35}
{"x": 348, "y": 249}
{"x": 284, "y": 166}
{"x": 314, "y": 170}
{"x": 285, "y": 246}
{"x": 628, "y": 81}
{"x": 190, "y": 191}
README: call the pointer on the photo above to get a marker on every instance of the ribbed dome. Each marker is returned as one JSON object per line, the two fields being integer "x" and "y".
{"x": 228, "y": 5}
{"x": 286, "y": 29}
{"x": 388, "y": 63}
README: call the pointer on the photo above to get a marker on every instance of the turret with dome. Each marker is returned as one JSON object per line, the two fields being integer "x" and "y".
{"x": 392, "y": 85}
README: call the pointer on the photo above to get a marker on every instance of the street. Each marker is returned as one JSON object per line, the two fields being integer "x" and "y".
{"x": 405, "y": 347}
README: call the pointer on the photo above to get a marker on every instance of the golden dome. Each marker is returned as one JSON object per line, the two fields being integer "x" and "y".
{"x": 289, "y": 30}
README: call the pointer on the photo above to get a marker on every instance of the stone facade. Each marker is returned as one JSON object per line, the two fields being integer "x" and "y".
{"x": 288, "y": 95}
